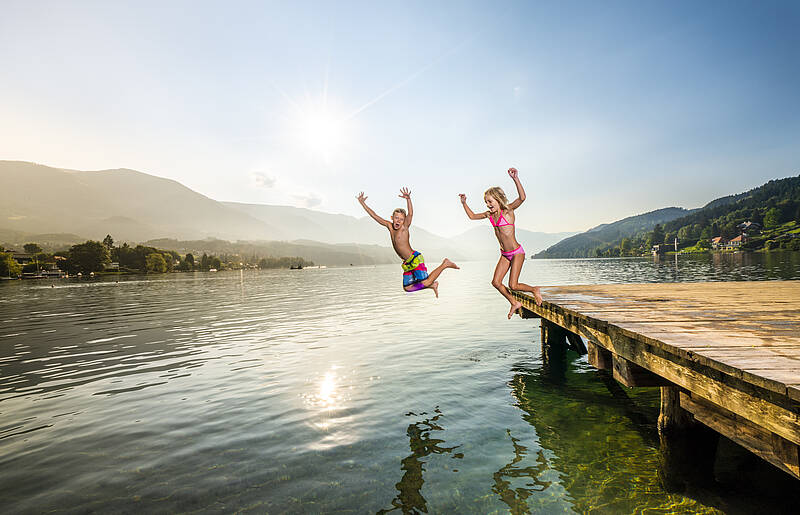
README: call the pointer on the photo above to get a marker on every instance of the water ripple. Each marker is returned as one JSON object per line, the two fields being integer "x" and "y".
{"x": 323, "y": 390}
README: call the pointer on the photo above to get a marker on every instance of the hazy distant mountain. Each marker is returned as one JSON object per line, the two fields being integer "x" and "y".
{"x": 135, "y": 207}
{"x": 581, "y": 245}
{"x": 128, "y": 204}
{"x": 48, "y": 241}
{"x": 479, "y": 243}
{"x": 306, "y": 224}
{"x": 343, "y": 254}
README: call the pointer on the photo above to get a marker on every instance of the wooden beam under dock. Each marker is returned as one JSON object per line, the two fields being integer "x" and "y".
{"x": 730, "y": 349}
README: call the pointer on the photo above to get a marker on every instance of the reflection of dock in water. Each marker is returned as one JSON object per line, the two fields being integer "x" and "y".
{"x": 515, "y": 497}
{"x": 597, "y": 443}
{"x": 726, "y": 356}
{"x": 409, "y": 498}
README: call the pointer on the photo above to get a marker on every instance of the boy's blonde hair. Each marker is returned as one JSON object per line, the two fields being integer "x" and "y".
{"x": 499, "y": 195}
{"x": 399, "y": 210}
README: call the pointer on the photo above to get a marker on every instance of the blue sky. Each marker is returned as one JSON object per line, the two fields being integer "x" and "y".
{"x": 608, "y": 109}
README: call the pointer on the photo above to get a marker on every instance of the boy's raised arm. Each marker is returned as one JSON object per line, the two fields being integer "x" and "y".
{"x": 514, "y": 174}
{"x": 362, "y": 199}
{"x": 406, "y": 194}
{"x": 470, "y": 214}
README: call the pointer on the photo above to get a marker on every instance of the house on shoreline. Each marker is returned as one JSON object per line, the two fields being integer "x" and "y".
{"x": 749, "y": 227}
{"x": 736, "y": 243}
{"x": 22, "y": 258}
{"x": 720, "y": 243}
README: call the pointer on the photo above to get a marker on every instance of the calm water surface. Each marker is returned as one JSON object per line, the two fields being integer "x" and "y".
{"x": 330, "y": 390}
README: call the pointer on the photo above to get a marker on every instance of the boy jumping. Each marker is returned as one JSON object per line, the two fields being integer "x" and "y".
{"x": 415, "y": 274}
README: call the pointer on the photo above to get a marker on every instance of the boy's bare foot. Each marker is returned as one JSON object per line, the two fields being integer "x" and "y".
{"x": 537, "y": 295}
{"x": 435, "y": 288}
{"x": 449, "y": 264}
{"x": 514, "y": 307}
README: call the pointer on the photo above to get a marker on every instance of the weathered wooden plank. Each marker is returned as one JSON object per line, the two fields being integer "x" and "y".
{"x": 736, "y": 344}
{"x": 684, "y": 351}
{"x": 758, "y": 410}
{"x": 769, "y": 446}
{"x": 572, "y": 321}
{"x": 760, "y": 328}
{"x": 794, "y": 391}
{"x": 631, "y": 374}
{"x": 599, "y": 357}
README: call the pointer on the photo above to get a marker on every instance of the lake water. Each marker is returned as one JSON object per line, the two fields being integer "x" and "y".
{"x": 332, "y": 390}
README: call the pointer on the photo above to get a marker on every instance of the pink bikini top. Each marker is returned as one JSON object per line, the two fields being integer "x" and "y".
{"x": 501, "y": 218}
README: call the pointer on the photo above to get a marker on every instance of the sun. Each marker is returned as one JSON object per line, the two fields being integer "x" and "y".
{"x": 323, "y": 133}
{"x": 320, "y": 129}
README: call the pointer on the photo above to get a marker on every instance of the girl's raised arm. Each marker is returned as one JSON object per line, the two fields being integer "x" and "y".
{"x": 470, "y": 213}
{"x": 514, "y": 174}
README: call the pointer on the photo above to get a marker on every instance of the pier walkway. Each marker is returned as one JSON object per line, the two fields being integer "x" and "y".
{"x": 726, "y": 356}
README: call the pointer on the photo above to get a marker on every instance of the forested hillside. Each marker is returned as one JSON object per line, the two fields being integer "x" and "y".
{"x": 609, "y": 235}
{"x": 771, "y": 206}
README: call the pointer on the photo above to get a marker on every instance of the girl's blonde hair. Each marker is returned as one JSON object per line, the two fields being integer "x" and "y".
{"x": 499, "y": 195}
{"x": 399, "y": 210}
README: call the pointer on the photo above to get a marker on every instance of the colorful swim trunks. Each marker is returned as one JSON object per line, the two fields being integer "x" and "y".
{"x": 414, "y": 272}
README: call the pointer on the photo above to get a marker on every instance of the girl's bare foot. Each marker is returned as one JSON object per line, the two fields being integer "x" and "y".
{"x": 435, "y": 288}
{"x": 537, "y": 295}
{"x": 514, "y": 307}
{"x": 449, "y": 264}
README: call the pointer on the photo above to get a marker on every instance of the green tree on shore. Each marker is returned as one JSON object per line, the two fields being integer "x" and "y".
{"x": 9, "y": 266}
{"x": 36, "y": 251}
{"x": 772, "y": 218}
{"x": 657, "y": 235}
{"x": 156, "y": 263}
{"x": 88, "y": 257}
{"x": 625, "y": 247}
{"x": 108, "y": 241}
{"x": 32, "y": 248}
{"x": 284, "y": 262}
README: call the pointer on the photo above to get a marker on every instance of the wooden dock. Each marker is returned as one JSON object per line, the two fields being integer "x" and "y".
{"x": 726, "y": 356}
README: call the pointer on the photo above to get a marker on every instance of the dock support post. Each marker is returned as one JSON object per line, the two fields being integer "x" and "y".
{"x": 554, "y": 334}
{"x": 688, "y": 448}
{"x": 554, "y": 351}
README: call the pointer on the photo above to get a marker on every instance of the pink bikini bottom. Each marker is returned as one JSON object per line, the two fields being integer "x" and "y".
{"x": 510, "y": 255}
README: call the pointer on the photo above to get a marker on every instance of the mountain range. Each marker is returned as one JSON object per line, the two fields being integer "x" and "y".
{"x": 581, "y": 244}
{"x": 61, "y": 207}
{"x": 770, "y": 205}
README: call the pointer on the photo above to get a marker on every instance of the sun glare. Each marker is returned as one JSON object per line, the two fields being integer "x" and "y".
{"x": 321, "y": 132}
{"x": 327, "y": 391}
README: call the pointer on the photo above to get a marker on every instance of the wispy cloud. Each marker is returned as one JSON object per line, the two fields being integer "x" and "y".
{"x": 263, "y": 180}
{"x": 309, "y": 200}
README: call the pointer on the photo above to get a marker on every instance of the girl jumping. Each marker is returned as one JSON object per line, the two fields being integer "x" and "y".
{"x": 512, "y": 255}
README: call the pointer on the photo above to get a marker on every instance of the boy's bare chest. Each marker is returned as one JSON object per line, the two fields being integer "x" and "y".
{"x": 400, "y": 234}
